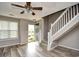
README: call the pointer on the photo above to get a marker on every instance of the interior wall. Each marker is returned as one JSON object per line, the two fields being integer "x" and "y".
{"x": 41, "y": 30}
{"x": 71, "y": 39}
{"x": 24, "y": 30}
{"x": 8, "y": 42}
{"x": 48, "y": 20}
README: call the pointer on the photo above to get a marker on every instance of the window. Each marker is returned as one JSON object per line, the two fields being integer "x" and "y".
{"x": 8, "y": 29}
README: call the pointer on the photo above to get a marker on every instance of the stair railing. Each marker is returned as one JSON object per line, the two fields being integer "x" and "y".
{"x": 62, "y": 21}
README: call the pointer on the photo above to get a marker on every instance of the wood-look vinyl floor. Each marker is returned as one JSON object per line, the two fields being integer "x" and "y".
{"x": 33, "y": 49}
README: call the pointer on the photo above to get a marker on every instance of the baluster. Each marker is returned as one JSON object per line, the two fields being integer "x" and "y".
{"x": 65, "y": 17}
{"x": 58, "y": 25}
{"x": 77, "y": 8}
{"x": 64, "y": 20}
{"x": 68, "y": 15}
{"x": 55, "y": 27}
{"x": 61, "y": 23}
{"x": 71, "y": 12}
{"x": 52, "y": 30}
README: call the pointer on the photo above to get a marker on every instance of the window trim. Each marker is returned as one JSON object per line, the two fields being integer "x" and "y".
{"x": 8, "y": 30}
{"x": 10, "y": 41}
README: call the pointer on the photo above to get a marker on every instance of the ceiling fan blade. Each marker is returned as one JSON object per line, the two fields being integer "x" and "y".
{"x": 17, "y": 5}
{"x": 22, "y": 12}
{"x": 37, "y": 8}
{"x": 33, "y": 13}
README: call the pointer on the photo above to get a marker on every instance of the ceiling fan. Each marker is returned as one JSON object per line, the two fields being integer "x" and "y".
{"x": 28, "y": 7}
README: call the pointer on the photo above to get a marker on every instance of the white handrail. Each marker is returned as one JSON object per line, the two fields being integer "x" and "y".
{"x": 65, "y": 18}
{"x": 59, "y": 17}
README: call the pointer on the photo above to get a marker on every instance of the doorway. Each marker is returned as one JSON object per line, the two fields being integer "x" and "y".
{"x": 31, "y": 33}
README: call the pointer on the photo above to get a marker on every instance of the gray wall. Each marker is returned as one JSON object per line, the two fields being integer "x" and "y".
{"x": 48, "y": 20}
{"x": 24, "y": 30}
{"x": 71, "y": 39}
{"x": 41, "y": 30}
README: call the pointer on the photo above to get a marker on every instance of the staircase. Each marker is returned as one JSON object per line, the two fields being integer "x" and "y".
{"x": 66, "y": 22}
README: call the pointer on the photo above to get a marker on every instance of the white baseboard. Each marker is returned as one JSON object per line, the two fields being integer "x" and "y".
{"x": 69, "y": 47}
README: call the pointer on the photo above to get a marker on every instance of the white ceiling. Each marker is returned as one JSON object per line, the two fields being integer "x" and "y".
{"x": 7, "y": 9}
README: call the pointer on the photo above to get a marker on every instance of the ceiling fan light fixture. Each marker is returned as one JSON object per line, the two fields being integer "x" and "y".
{"x": 29, "y": 10}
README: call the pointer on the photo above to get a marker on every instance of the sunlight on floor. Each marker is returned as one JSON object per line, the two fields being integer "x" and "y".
{"x": 31, "y": 49}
